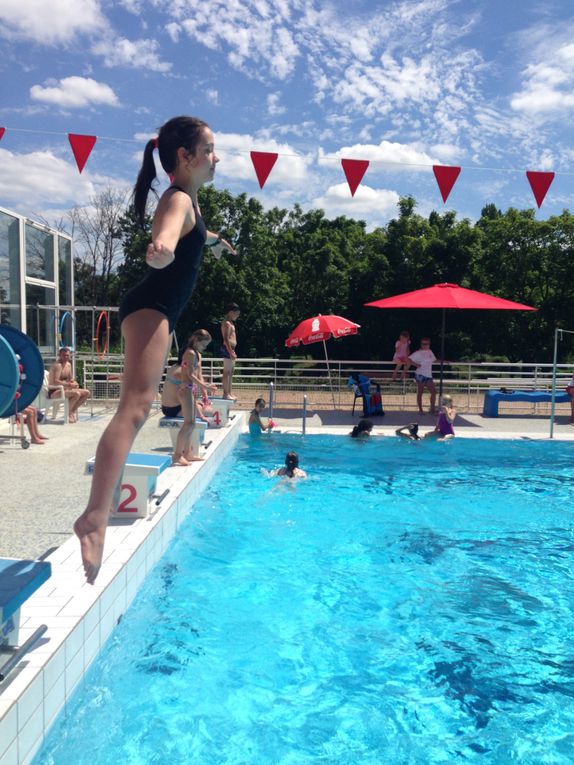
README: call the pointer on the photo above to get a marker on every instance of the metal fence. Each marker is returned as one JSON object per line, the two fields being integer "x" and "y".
{"x": 326, "y": 383}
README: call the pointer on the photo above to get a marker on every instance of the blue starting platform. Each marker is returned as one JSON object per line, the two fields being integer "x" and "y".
{"x": 18, "y": 580}
{"x": 138, "y": 484}
{"x": 493, "y": 397}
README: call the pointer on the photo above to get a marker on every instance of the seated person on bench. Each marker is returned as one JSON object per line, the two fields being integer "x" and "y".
{"x": 61, "y": 375}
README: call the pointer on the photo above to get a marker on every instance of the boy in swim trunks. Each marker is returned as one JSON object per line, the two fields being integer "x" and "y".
{"x": 228, "y": 345}
{"x": 423, "y": 360}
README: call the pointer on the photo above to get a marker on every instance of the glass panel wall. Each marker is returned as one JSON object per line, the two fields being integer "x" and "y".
{"x": 65, "y": 271}
{"x": 39, "y": 253}
{"x": 40, "y": 322}
{"x": 10, "y": 296}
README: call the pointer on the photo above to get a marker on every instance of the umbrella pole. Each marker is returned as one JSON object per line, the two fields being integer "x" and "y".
{"x": 442, "y": 332}
{"x": 329, "y": 373}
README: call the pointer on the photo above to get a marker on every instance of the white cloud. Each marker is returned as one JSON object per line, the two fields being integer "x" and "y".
{"x": 174, "y": 31}
{"x": 447, "y": 152}
{"x": 49, "y": 23}
{"x": 212, "y": 96}
{"x": 251, "y": 33}
{"x": 548, "y": 82}
{"x": 137, "y": 54}
{"x": 273, "y": 106}
{"x": 28, "y": 180}
{"x": 391, "y": 155}
{"x": 233, "y": 149}
{"x": 74, "y": 93}
{"x": 374, "y": 205}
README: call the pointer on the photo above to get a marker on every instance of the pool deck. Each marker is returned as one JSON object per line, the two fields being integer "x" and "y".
{"x": 44, "y": 488}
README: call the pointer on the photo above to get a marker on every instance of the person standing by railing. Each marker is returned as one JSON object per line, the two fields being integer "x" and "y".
{"x": 228, "y": 346}
{"x": 423, "y": 360}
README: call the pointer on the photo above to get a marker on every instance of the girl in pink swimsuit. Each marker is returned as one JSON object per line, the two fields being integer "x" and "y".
{"x": 402, "y": 352}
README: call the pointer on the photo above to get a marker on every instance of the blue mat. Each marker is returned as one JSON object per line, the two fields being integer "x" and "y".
{"x": 18, "y": 580}
{"x": 33, "y": 368}
{"x": 8, "y": 375}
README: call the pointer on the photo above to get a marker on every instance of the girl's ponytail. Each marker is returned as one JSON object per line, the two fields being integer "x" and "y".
{"x": 146, "y": 177}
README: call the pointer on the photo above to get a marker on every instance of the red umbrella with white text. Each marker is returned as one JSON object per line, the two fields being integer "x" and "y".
{"x": 319, "y": 329}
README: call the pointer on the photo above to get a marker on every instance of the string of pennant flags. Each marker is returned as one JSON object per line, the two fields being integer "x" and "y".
{"x": 354, "y": 169}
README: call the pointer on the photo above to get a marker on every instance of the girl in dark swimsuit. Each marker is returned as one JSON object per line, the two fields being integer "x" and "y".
{"x": 150, "y": 310}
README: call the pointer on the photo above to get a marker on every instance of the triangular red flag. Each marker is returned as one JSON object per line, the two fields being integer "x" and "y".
{"x": 2, "y": 131}
{"x": 354, "y": 171}
{"x": 539, "y": 183}
{"x": 82, "y": 146}
{"x": 446, "y": 176}
{"x": 263, "y": 162}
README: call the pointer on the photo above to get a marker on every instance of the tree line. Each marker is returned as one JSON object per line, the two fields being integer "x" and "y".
{"x": 293, "y": 264}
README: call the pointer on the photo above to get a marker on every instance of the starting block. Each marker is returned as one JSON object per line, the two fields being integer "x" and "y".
{"x": 138, "y": 484}
{"x": 174, "y": 424}
{"x": 221, "y": 407}
{"x": 18, "y": 580}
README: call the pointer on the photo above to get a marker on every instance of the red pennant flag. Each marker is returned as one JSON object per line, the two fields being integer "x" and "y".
{"x": 539, "y": 183}
{"x": 446, "y": 176}
{"x": 82, "y": 146}
{"x": 2, "y": 131}
{"x": 354, "y": 172}
{"x": 263, "y": 162}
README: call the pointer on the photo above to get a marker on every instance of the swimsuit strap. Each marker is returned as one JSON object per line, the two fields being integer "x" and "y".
{"x": 180, "y": 188}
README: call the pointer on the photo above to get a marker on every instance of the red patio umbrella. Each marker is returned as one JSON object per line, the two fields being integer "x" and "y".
{"x": 448, "y": 296}
{"x": 319, "y": 329}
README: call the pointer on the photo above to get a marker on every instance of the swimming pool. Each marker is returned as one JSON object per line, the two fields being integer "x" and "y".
{"x": 409, "y": 603}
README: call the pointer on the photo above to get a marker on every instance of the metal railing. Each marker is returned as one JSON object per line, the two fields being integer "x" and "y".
{"x": 292, "y": 378}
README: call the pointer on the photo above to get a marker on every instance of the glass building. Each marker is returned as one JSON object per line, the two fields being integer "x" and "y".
{"x": 36, "y": 279}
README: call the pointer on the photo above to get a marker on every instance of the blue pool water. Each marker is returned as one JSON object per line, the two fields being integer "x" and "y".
{"x": 410, "y": 603}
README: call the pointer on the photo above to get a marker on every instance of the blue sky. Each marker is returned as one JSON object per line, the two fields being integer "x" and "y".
{"x": 485, "y": 84}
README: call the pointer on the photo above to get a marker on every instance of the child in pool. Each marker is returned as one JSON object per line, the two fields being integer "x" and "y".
{"x": 362, "y": 429}
{"x": 444, "y": 430}
{"x": 291, "y": 469}
{"x": 410, "y": 431}
{"x": 256, "y": 426}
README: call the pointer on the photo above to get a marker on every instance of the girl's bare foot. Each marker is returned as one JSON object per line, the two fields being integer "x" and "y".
{"x": 194, "y": 458}
{"x": 91, "y": 534}
{"x": 37, "y": 441}
{"x": 181, "y": 462}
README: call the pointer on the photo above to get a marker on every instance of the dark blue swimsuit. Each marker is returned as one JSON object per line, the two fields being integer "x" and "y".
{"x": 169, "y": 289}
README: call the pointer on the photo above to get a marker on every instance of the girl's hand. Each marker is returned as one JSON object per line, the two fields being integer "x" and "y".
{"x": 221, "y": 247}
{"x": 158, "y": 255}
